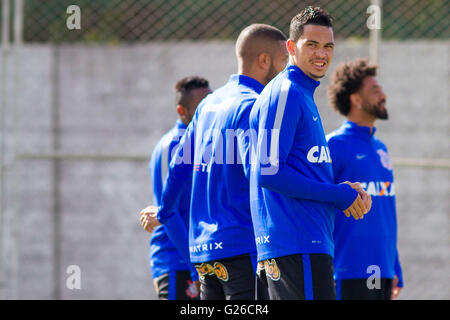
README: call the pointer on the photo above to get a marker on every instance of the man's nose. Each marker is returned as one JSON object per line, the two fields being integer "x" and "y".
{"x": 321, "y": 53}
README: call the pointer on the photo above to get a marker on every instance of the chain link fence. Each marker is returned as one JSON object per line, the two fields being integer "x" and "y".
{"x": 131, "y": 20}
{"x": 82, "y": 109}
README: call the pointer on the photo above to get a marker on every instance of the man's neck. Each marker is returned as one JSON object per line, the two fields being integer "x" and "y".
{"x": 362, "y": 121}
{"x": 252, "y": 72}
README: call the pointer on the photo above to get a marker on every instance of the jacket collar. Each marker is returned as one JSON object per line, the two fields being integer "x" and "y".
{"x": 180, "y": 125}
{"x": 301, "y": 78}
{"x": 361, "y": 131}
{"x": 241, "y": 79}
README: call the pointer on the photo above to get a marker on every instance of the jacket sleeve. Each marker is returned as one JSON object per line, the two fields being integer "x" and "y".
{"x": 398, "y": 271}
{"x": 337, "y": 163}
{"x": 179, "y": 171}
{"x": 173, "y": 225}
{"x": 177, "y": 232}
{"x": 280, "y": 119}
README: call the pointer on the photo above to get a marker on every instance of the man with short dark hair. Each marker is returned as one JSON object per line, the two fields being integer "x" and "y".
{"x": 221, "y": 239}
{"x": 366, "y": 259}
{"x": 174, "y": 277}
{"x": 292, "y": 192}
{"x": 189, "y": 92}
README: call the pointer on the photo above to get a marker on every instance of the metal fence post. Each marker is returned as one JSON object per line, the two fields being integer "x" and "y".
{"x": 56, "y": 206}
{"x": 15, "y": 143}
{"x": 3, "y": 147}
{"x": 375, "y": 33}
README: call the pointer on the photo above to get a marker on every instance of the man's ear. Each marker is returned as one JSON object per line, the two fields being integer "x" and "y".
{"x": 181, "y": 110}
{"x": 355, "y": 99}
{"x": 290, "y": 46}
{"x": 264, "y": 61}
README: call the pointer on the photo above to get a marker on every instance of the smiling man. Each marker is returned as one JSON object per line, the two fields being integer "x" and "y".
{"x": 358, "y": 155}
{"x": 293, "y": 196}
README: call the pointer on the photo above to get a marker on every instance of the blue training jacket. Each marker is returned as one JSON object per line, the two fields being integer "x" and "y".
{"x": 360, "y": 157}
{"x": 292, "y": 192}
{"x": 169, "y": 253}
{"x": 219, "y": 139}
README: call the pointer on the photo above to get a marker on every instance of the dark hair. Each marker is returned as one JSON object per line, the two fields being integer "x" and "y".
{"x": 244, "y": 44}
{"x": 347, "y": 79}
{"x": 309, "y": 15}
{"x": 185, "y": 86}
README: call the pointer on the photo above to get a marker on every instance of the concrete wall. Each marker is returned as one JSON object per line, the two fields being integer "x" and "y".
{"x": 120, "y": 100}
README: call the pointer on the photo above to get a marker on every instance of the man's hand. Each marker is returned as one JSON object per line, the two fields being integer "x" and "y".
{"x": 362, "y": 203}
{"x": 357, "y": 209}
{"x": 395, "y": 290}
{"x": 148, "y": 218}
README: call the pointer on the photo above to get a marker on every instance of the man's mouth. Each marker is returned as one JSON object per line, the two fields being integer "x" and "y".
{"x": 382, "y": 104}
{"x": 319, "y": 64}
